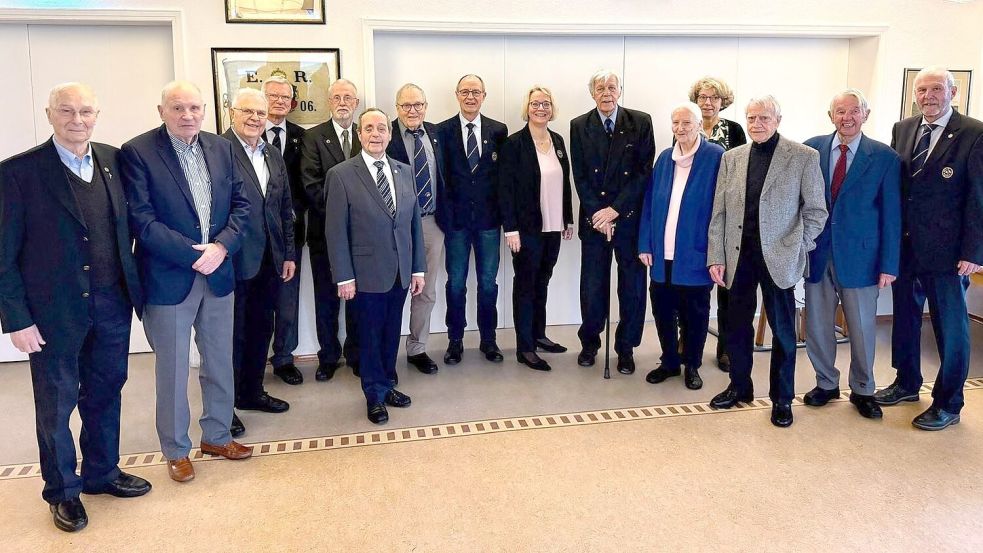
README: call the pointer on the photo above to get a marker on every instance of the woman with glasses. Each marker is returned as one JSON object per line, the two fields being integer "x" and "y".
{"x": 537, "y": 212}
{"x": 672, "y": 242}
{"x": 712, "y": 95}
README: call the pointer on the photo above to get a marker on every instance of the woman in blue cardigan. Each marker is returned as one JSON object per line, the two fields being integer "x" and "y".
{"x": 672, "y": 242}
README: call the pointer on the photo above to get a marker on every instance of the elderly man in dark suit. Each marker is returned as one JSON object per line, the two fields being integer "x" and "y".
{"x": 856, "y": 255}
{"x": 768, "y": 210}
{"x": 266, "y": 260}
{"x": 942, "y": 244}
{"x": 471, "y": 143}
{"x": 285, "y": 137}
{"x": 612, "y": 149}
{"x": 323, "y": 147}
{"x": 376, "y": 247}
{"x": 187, "y": 213}
{"x": 414, "y": 142}
{"x": 68, "y": 286}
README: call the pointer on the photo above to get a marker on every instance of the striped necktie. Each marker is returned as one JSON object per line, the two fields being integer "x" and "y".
{"x": 922, "y": 149}
{"x": 421, "y": 168}
{"x": 382, "y": 183}
{"x": 472, "y": 148}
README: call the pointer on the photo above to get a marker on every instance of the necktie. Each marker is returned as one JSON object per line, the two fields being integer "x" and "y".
{"x": 472, "y": 148}
{"x": 382, "y": 183}
{"x": 276, "y": 138}
{"x": 839, "y": 172}
{"x": 424, "y": 192}
{"x": 921, "y": 149}
{"x": 346, "y": 144}
{"x": 609, "y": 127}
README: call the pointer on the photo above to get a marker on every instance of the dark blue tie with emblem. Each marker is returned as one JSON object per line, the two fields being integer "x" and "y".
{"x": 424, "y": 190}
{"x": 472, "y": 148}
{"x": 609, "y": 126}
{"x": 922, "y": 148}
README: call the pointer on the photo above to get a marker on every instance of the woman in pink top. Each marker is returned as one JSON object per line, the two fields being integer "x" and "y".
{"x": 537, "y": 212}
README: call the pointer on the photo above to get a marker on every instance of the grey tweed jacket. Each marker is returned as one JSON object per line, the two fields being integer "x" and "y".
{"x": 792, "y": 212}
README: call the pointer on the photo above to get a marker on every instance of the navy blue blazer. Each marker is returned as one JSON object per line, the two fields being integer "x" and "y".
{"x": 44, "y": 251}
{"x": 397, "y": 151}
{"x": 942, "y": 206}
{"x": 520, "y": 183}
{"x": 862, "y": 235}
{"x": 163, "y": 219}
{"x": 271, "y": 217}
{"x": 472, "y": 198}
{"x": 689, "y": 266}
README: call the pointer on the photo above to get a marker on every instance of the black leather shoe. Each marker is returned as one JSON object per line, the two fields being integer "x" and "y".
{"x": 661, "y": 373}
{"x": 692, "y": 379}
{"x": 723, "y": 362}
{"x": 325, "y": 371}
{"x": 378, "y": 413}
{"x": 626, "y": 364}
{"x": 867, "y": 406}
{"x": 491, "y": 351}
{"x": 125, "y": 485}
{"x": 935, "y": 419}
{"x": 533, "y": 361}
{"x": 729, "y": 398}
{"x": 781, "y": 415}
{"x": 549, "y": 346}
{"x": 289, "y": 374}
{"x": 236, "y": 428}
{"x": 69, "y": 515}
{"x": 422, "y": 362}
{"x": 395, "y": 398}
{"x": 586, "y": 357}
{"x": 817, "y": 397}
{"x": 454, "y": 350}
{"x": 265, "y": 403}
{"x": 894, "y": 394}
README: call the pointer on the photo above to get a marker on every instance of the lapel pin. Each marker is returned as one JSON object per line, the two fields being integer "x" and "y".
{"x": 559, "y": 154}
{"x": 327, "y": 141}
{"x": 484, "y": 142}
{"x": 294, "y": 140}
{"x": 950, "y": 135}
{"x": 494, "y": 156}
{"x": 947, "y": 172}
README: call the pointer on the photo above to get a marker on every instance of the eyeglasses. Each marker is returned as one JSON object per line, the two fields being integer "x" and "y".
{"x": 541, "y": 105}
{"x": 704, "y": 98}
{"x": 278, "y": 97}
{"x": 473, "y": 92}
{"x": 85, "y": 113}
{"x": 412, "y": 107}
{"x": 251, "y": 112}
{"x": 343, "y": 99}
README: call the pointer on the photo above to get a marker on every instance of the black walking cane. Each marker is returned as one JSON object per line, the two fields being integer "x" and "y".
{"x": 608, "y": 232}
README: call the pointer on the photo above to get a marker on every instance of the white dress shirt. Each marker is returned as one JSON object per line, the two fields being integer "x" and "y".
{"x": 257, "y": 157}
{"x": 464, "y": 131}
{"x": 936, "y": 132}
{"x": 338, "y": 129}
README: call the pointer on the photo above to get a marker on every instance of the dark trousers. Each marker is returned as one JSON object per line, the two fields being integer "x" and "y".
{"x": 380, "y": 318}
{"x": 595, "y": 286}
{"x": 487, "y": 254}
{"x": 285, "y": 334}
{"x": 723, "y": 305}
{"x": 327, "y": 305}
{"x": 946, "y": 295}
{"x": 89, "y": 374}
{"x": 687, "y": 306}
{"x": 533, "y": 265}
{"x": 779, "y": 304}
{"x": 255, "y": 302}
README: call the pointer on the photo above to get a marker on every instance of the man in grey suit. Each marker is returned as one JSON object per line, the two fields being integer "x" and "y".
{"x": 767, "y": 212}
{"x": 375, "y": 245}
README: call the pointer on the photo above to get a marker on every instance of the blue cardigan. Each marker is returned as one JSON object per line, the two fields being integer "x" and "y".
{"x": 689, "y": 266}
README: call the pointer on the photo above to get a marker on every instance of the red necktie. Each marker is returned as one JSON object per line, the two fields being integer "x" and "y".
{"x": 839, "y": 172}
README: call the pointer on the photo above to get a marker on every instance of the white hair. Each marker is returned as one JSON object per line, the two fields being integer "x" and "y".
{"x": 851, "y": 92}
{"x": 278, "y": 80}
{"x": 410, "y": 86}
{"x": 688, "y": 106}
{"x": 173, "y": 86}
{"x": 767, "y": 102}
{"x": 342, "y": 81}
{"x": 938, "y": 71}
{"x": 602, "y": 75}
{"x": 59, "y": 89}
{"x": 247, "y": 92}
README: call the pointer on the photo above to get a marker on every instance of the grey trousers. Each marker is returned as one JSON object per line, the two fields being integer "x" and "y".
{"x": 860, "y": 309}
{"x": 421, "y": 305}
{"x": 168, "y": 330}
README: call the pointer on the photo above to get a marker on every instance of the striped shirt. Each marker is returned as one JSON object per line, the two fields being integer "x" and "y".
{"x": 196, "y": 172}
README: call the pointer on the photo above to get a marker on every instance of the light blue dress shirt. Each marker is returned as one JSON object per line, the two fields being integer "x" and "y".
{"x": 81, "y": 167}
{"x": 834, "y": 153}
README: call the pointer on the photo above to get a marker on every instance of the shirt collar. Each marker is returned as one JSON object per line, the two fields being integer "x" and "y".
{"x": 403, "y": 129}
{"x": 249, "y": 149}
{"x": 464, "y": 122}
{"x": 181, "y": 146}
{"x": 941, "y": 121}
{"x": 853, "y": 146}
{"x": 613, "y": 117}
{"x": 338, "y": 129}
{"x": 370, "y": 161}
{"x": 282, "y": 125}
{"x": 69, "y": 158}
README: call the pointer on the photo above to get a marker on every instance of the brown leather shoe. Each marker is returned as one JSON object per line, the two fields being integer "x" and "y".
{"x": 180, "y": 470}
{"x": 232, "y": 450}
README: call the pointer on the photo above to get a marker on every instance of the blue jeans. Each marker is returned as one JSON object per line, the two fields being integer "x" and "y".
{"x": 487, "y": 252}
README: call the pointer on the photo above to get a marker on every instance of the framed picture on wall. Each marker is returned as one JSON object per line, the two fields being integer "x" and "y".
{"x": 309, "y": 71}
{"x": 274, "y": 11}
{"x": 960, "y": 102}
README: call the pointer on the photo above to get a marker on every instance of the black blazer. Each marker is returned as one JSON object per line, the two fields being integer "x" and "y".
{"x": 320, "y": 150}
{"x": 43, "y": 246}
{"x": 271, "y": 217}
{"x": 397, "y": 151}
{"x": 291, "y": 156}
{"x": 520, "y": 183}
{"x": 472, "y": 199}
{"x": 612, "y": 172}
{"x": 942, "y": 207}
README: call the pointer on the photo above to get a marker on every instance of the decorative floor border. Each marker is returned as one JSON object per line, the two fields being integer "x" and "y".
{"x": 453, "y": 430}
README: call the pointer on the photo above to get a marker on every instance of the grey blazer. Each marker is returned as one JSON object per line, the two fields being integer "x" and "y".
{"x": 364, "y": 242}
{"x": 792, "y": 211}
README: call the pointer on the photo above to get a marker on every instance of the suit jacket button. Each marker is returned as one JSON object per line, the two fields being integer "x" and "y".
{"x": 602, "y": 192}
{"x": 85, "y": 267}
{"x": 85, "y": 294}
{"x": 738, "y": 248}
